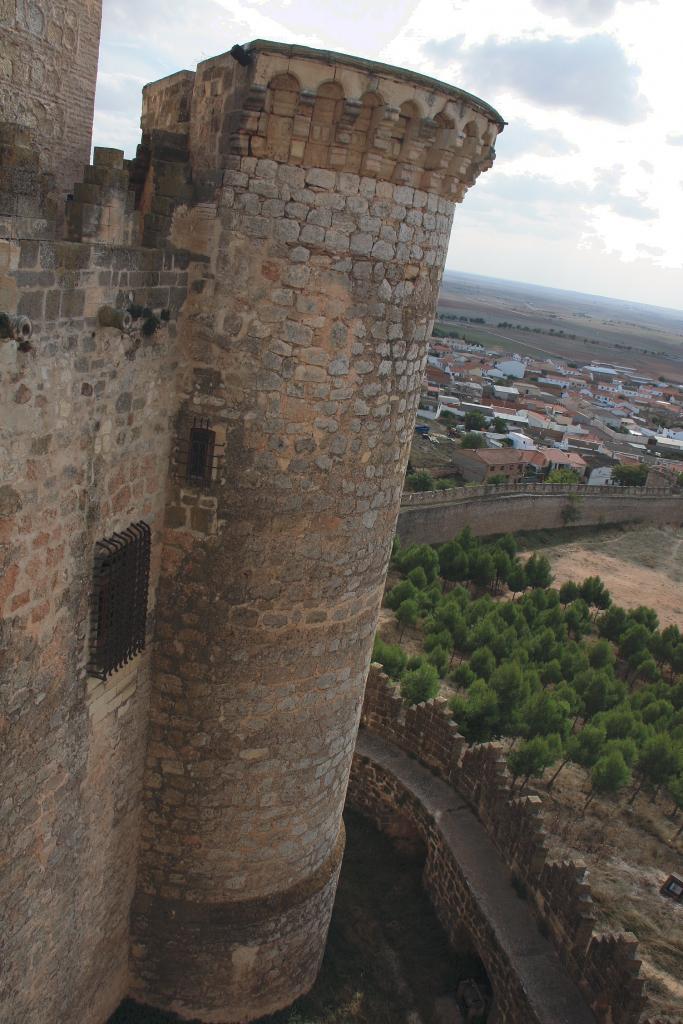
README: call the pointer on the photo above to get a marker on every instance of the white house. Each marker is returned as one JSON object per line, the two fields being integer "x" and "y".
{"x": 521, "y": 441}
{"x": 512, "y": 368}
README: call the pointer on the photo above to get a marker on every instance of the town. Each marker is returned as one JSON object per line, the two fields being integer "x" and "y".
{"x": 491, "y": 417}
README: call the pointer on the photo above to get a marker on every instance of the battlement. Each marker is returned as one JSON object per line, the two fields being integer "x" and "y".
{"x": 605, "y": 966}
{"x": 309, "y": 108}
{"x": 224, "y": 339}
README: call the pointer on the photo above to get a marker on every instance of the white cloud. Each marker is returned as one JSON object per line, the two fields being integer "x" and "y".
{"x": 589, "y": 76}
{"x": 581, "y": 12}
{"x": 520, "y": 138}
{"x": 583, "y": 194}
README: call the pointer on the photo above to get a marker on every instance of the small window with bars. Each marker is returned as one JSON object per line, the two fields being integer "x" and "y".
{"x": 119, "y": 603}
{"x": 200, "y": 453}
{"x": 197, "y": 454}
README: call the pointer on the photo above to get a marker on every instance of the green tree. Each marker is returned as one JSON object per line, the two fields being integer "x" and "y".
{"x": 613, "y": 623}
{"x": 531, "y": 758}
{"x": 544, "y": 714}
{"x": 599, "y": 691}
{"x": 569, "y": 591}
{"x": 419, "y": 684}
{"x": 454, "y": 562}
{"x": 511, "y": 688}
{"x": 609, "y": 775}
{"x": 483, "y": 663}
{"x": 517, "y": 579}
{"x": 501, "y": 427}
{"x": 675, "y": 788}
{"x": 634, "y": 640}
{"x": 403, "y": 591}
{"x": 440, "y": 657}
{"x": 478, "y": 714}
{"x": 562, "y": 476}
{"x": 418, "y": 577}
{"x": 585, "y": 748}
{"x": 551, "y": 673}
{"x": 390, "y": 656}
{"x": 502, "y": 563}
{"x": 482, "y": 568}
{"x": 578, "y": 618}
{"x": 406, "y": 615}
{"x": 418, "y": 554}
{"x": 645, "y": 616}
{"x": 475, "y": 420}
{"x": 420, "y": 481}
{"x": 463, "y": 676}
{"x": 657, "y": 762}
{"x": 601, "y": 655}
{"x": 472, "y": 440}
{"x": 630, "y": 476}
{"x": 595, "y": 593}
{"x": 537, "y": 571}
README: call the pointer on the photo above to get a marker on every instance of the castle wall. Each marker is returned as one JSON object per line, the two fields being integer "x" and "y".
{"x": 84, "y": 443}
{"x": 48, "y": 67}
{"x": 605, "y": 967}
{"x": 305, "y": 353}
{"x": 491, "y": 510}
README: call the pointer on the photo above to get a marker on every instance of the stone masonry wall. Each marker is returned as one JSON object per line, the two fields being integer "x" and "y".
{"x": 48, "y": 67}
{"x": 427, "y": 519}
{"x": 461, "y": 903}
{"x": 84, "y": 445}
{"x": 290, "y": 219}
{"x": 605, "y": 966}
{"x": 304, "y": 352}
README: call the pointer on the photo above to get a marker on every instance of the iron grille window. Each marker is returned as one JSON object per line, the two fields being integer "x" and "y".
{"x": 200, "y": 453}
{"x": 119, "y": 607}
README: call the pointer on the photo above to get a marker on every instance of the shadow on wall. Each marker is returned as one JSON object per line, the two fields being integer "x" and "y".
{"x": 387, "y": 955}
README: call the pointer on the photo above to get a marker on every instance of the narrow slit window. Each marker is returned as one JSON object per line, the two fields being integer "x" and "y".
{"x": 119, "y": 605}
{"x": 200, "y": 453}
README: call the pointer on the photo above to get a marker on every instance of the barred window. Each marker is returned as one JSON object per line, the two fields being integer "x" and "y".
{"x": 119, "y": 603}
{"x": 200, "y": 453}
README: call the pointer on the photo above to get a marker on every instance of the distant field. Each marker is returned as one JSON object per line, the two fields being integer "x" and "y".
{"x": 642, "y": 337}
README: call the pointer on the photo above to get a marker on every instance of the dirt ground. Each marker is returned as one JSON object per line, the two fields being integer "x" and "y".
{"x": 642, "y": 565}
{"x": 629, "y": 853}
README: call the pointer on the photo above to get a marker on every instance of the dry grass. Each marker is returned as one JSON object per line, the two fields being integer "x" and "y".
{"x": 629, "y": 853}
{"x": 641, "y": 565}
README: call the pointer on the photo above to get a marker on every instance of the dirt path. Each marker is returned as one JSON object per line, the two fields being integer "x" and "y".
{"x": 638, "y": 566}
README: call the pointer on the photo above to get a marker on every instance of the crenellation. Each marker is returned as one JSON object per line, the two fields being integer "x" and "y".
{"x": 227, "y": 340}
{"x": 605, "y": 966}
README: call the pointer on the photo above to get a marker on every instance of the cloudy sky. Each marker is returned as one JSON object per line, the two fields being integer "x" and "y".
{"x": 587, "y": 189}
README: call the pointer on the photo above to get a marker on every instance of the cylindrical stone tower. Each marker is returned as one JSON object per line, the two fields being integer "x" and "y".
{"x": 329, "y": 185}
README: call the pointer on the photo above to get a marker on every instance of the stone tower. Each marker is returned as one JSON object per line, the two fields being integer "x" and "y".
{"x": 335, "y": 184}
{"x": 48, "y": 68}
{"x": 223, "y": 338}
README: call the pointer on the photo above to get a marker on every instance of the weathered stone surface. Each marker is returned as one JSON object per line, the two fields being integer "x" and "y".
{"x": 432, "y": 519}
{"x": 384, "y": 785}
{"x": 260, "y": 223}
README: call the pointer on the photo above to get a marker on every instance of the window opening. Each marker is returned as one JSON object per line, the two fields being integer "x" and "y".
{"x": 200, "y": 453}
{"x": 119, "y": 604}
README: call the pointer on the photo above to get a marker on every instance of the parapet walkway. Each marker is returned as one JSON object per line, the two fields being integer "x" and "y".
{"x": 550, "y": 993}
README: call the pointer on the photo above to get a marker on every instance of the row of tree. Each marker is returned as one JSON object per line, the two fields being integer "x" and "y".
{"x": 571, "y": 676}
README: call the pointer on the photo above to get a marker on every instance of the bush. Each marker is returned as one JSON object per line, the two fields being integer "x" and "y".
{"x": 420, "y": 481}
{"x": 390, "y": 656}
{"x": 403, "y": 591}
{"x": 420, "y": 684}
{"x": 418, "y": 577}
